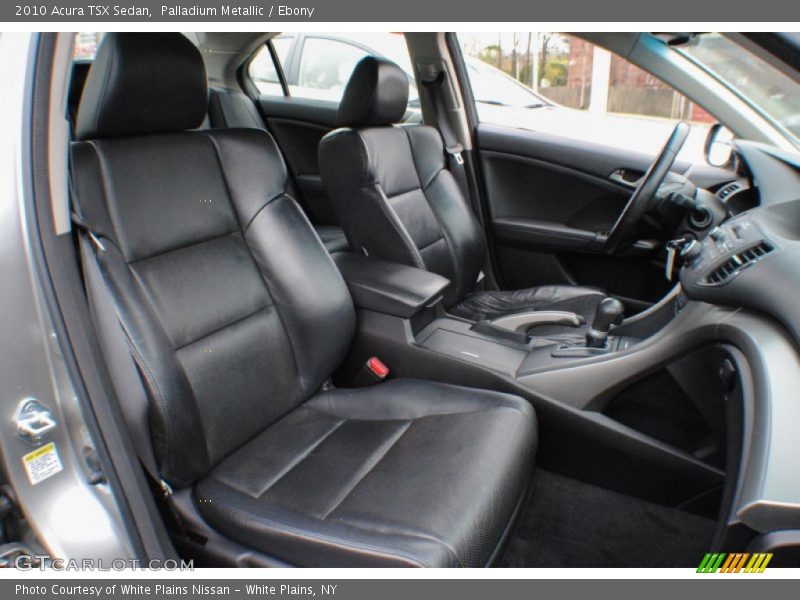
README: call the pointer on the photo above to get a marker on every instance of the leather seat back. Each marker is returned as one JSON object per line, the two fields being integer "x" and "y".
{"x": 233, "y": 308}
{"x": 389, "y": 185}
{"x": 230, "y": 108}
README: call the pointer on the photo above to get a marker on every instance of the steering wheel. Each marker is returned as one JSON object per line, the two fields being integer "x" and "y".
{"x": 642, "y": 197}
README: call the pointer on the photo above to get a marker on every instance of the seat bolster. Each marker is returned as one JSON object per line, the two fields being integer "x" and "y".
{"x": 460, "y": 227}
{"x": 402, "y": 399}
{"x": 284, "y": 245}
{"x": 427, "y": 148}
{"x": 344, "y": 163}
{"x": 229, "y": 108}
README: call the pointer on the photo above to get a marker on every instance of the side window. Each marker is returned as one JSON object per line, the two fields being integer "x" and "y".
{"x": 318, "y": 65}
{"x": 262, "y": 70}
{"x": 562, "y": 85}
{"x": 325, "y": 67}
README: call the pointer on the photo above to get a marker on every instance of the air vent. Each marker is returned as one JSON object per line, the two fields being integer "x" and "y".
{"x": 728, "y": 190}
{"x": 741, "y": 260}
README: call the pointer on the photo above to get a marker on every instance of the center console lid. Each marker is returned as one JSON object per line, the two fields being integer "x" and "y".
{"x": 388, "y": 287}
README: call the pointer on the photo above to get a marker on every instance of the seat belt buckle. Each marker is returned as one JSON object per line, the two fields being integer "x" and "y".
{"x": 373, "y": 371}
{"x": 456, "y": 152}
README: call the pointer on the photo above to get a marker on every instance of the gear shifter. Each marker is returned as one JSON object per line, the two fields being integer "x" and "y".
{"x": 609, "y": 312}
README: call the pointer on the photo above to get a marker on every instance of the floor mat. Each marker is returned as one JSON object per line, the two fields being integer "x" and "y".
{"x": 573, "y": 524}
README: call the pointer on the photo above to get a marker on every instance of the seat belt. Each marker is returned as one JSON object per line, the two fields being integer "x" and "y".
{"x": 454, "y": 150}
{"x": 117, "y": 352}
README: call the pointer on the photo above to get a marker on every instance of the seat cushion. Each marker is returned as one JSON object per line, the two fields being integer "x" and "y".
{"x": 404, "y": 473}
{"x": 479, "y": 306}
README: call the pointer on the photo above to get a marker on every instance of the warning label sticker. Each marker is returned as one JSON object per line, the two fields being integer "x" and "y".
{"x": 42, "y": 463}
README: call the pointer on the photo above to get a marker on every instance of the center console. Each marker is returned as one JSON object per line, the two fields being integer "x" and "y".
{"x": 409, "y": 303}
{"x": 574, "y": 377}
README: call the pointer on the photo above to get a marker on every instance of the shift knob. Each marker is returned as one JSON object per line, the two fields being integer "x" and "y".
{"x": 609, "y": 312}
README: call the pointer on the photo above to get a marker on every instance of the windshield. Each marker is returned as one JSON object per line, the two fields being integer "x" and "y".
{"x": 767, "y": 89}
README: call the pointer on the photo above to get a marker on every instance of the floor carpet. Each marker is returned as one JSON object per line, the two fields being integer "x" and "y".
{"x": 573, "y": 524}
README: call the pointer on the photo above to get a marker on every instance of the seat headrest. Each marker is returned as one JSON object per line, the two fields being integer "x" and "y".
{"x": 143, "y": 83}
{"x": 377, "y": 94}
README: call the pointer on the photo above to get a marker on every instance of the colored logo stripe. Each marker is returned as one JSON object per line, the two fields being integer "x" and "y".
{"x": 758, "y": 563}
{"x": 734, "y": 563}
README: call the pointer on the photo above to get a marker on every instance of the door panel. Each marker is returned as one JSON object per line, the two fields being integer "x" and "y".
{"x": 551, "y": 202}
{"x": 298, "y": 125}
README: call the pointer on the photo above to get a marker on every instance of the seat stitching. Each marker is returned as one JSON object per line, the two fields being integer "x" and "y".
{"x": 476, "y": 409}
{"x": 265, "y": 205}
{"x": 433, "y": 178}
{"x": 400, "y": 228}
{"x": 291, "y": 466}
{"x": 370, "y": 463}
{"x": 231, "y": 324}
{"x": 422, "y": 186}
{"x": 264, "y": 280}
{"x": 184, "y": 246}
{"x": 446, "y": 236}
{"x": 436, "y": 241}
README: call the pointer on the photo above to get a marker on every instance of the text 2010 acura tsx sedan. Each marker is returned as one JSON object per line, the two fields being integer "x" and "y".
{"x": 243, "y": 328}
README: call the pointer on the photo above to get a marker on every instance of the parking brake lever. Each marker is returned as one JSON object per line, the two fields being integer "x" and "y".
{"x": 515, "y": 327}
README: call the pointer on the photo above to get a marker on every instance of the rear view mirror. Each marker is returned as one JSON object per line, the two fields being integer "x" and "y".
{"x": 719, "y": 149}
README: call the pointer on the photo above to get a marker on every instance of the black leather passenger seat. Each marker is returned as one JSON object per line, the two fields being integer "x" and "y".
{"x": 236, "y": 316}
{"x": 231, "y": 108}
{"x": 397, "y": 200}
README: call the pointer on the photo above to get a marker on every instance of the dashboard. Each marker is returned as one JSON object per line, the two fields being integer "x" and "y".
{"x": 753, "y": 259}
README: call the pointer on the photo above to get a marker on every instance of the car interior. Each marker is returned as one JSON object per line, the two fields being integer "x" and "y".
{"x": 340, "y": 337}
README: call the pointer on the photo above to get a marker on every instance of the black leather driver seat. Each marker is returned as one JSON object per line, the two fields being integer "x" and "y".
{"x": 397, "y": 201}
{"x": 236, "y": 316}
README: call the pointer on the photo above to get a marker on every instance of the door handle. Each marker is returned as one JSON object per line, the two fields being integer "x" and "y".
{"x": 626, "y": 177}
